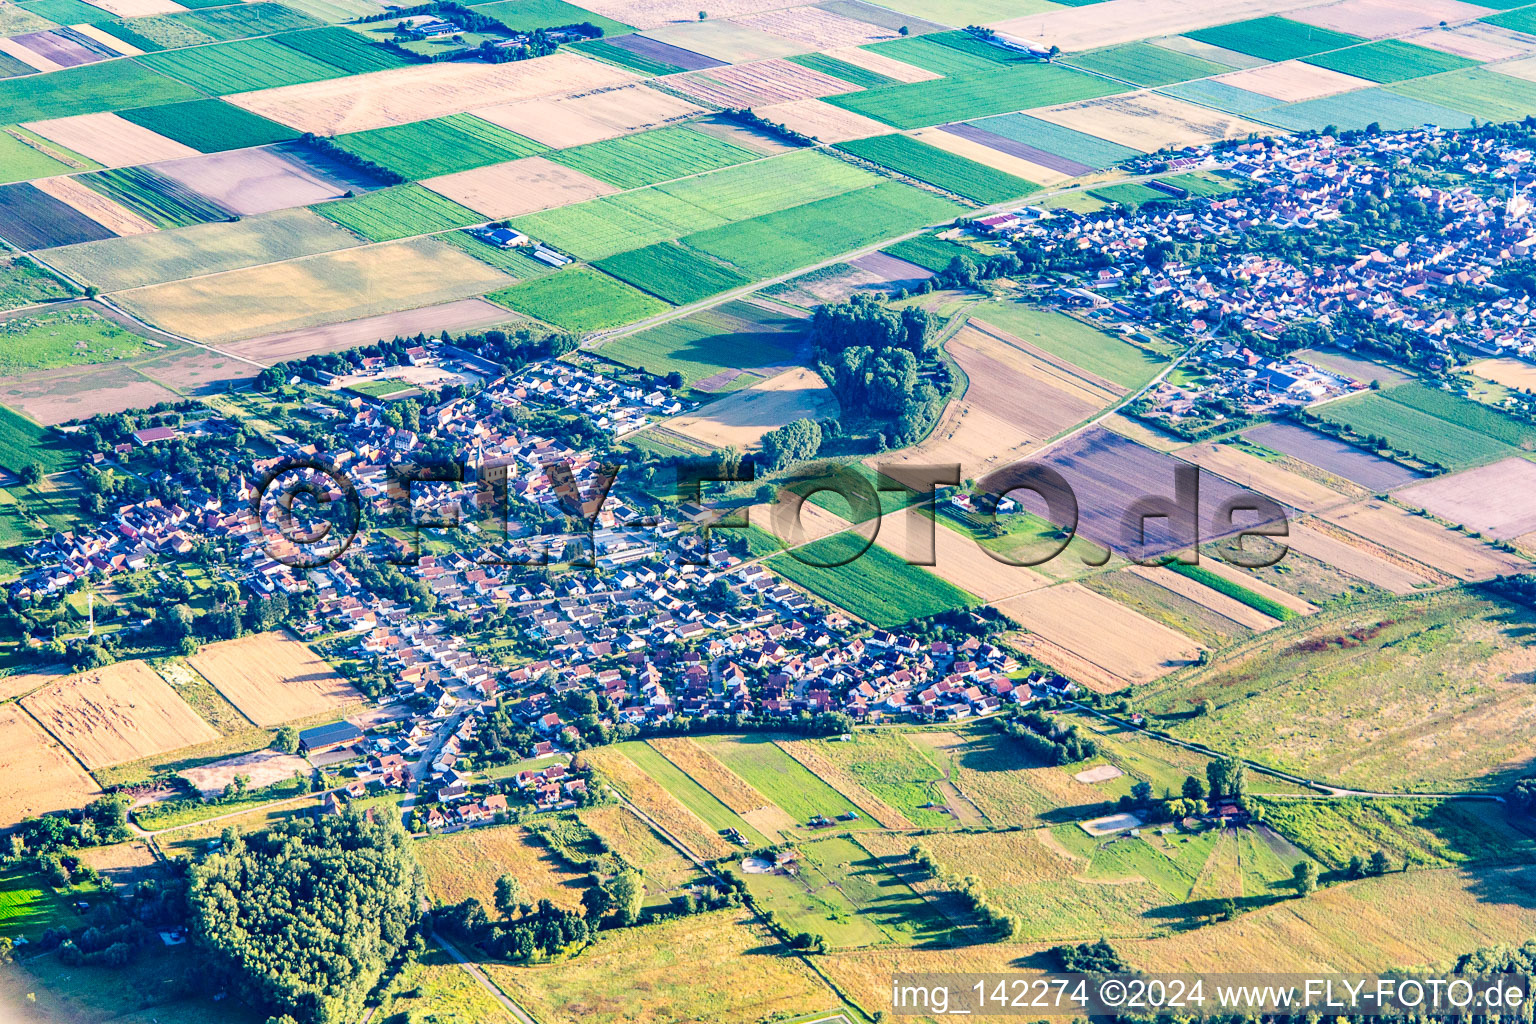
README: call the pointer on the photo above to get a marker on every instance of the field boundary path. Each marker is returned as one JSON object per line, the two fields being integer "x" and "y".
{"x": 483, "y": 980}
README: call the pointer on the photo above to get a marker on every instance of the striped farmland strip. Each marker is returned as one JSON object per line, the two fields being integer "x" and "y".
{"x": 1018, "y": 149}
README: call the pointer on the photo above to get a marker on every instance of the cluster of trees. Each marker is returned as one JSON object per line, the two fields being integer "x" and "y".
{"x": 964, "y": 272}
{"x": 1227, "y": 777}
{"x": 1499, "y": 960}
{"x": 1523, "y": 795}
{"x": 1091, "y": 958}
{"x": 1049, "y": 740}
{"x": 883, "y": 363}
{"x": 101, "y": 822}
{"x": 1000, "y": 922}
{"x": 306, "y": 918}
{"x": 793, "y": 442}
{"x": 327, "y": 147}
{"x": 751, "y": 119}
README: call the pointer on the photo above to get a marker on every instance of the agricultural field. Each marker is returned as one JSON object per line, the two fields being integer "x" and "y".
{"x": 240, "y": 66}
{"x": 1390, "y": 61}
{"x": 273, "y": 679}
{"x": 950, "y": 172}
{"x": 1456, "y": 653}
{"x": 1422, "y": 833}
{"x": 1343, "y": 460}
{"x": 972, "y": 94}
{"x": 579, "y": 300}
{"x": 161, "y": 200}
{"x": 208, "y": 126}
{"x": 468, "y": 863}
{"x": 760, "y": 762}
{"x": 645, "y": 158}
{"x": 120, "y": 713}
{"x": 66, "y": 337}
{"x": 660, "y": 805}
{"x": 1493, "y": 500}
{"x": 395, "y": 213}
{"x": 711, "y": 346}
{"x": 1122, "y": 362}
{"x": 709, "y": 808}
{"x": 1143, "y": 64}
{"x": 1419, "y": 434}
{"x": 877, "y": 586}
{"x": 91, "y": 89}
{"x": 1274, "y": 38}
{"x": 44, "y": 777}
{"x": 672, "y": 273}
{"x": 444, "y": 145}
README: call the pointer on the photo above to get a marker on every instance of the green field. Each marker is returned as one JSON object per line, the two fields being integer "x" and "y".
{"x": 1064, "y": 142}
{"x": 1390, "y": 60}
{"x": 689, "y": 793}
{"x": 931, "y": 53}
{"x": 23, "y": 282}
{"x": 527, "y": 15}
{"x": 342, "y": 48}
{"x": 242, "y": 21}
{"x": 109, "y": 85}
{"x": 579, "y": 299}
{"x": 1486, "y": 95}
{"x": 929, "y": 251}
{"x": 117, "y": 263}
{"x": 891, "y": 767}
{"x": 644, "y": 158}
{"x": 1146, "y": 65}
{"x": 1519, "y": 21}
{"x": 1407, "y": 694}
{"x": 1236, "y": 591}
{"x": 780, "y": 242}
{"x": 1421, "y": 435}
{"x": 734, "y": 335}
{"x": 158, "y": 199}
{"x": 957, "y": 174}
{"x": 1274, "y": 38}
{"x": 673, "y": 273}
{"x": 209, "y": 126}
{"x": 1131, "y": 194}
{"x": 66, "y": 337}
{"x": 606, "y": 51}
{"x": 969, "y": 94}
{"x": 782, "y": 779}
{"x": 239, "y": 66}
{"x": 29, "y": 907}
{"x": 850, "y": 73}
{"x": 21, "y": 162}
{"x": 877, "y": 586}
{"x": 1426, "y": 833}
{"x": 398, "y": 212}
{"x": 23, "y": 442}
{"x": 1464, "y": 412}
{"x": 602, "y": 227}
{"x": 1073, "y": 340}
{"x": 443, "y": 145}
{"x": 1384, "y": 107}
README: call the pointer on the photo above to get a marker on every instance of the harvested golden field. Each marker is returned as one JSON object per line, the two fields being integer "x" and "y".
{"x": 1401, "y": 919}
{"x": 39, "y": 776}
{"x": 823, "y": 121}
{"x": 1498, "y": 500}
{"x": 1244, "y": 579}
{"x": 838, "y": 777}
{"x": 1292, "y": 81}
{"x": 518, "y": 186}
{"x": 346, "y": 285}
{"x": 1141, "y": 433}
{"x": 117, "y": 219}
{"x": 743, "y": 417}
{"x": 110, "y": 140}
{"x": 1149, "y": 121}
{"x": 696, "y": 763}
{"x": 1256, "y": 474}
{"x": 117, "y": 714}
{"x": 1377, "y": 18}
{"x": 1429, "y": 693}
{"x": 1476, "y": 41}
{"x": 467, "y": 863}
{"x": 913, "y": 535}
{"x": 880, "y": 64}
{"x": 725, "y": 39}
{"x": 989, "y": 157}
{"x": 813, "y": 523}
{"x": 1213, "y": 601}
{"x": 1119, "y": 641}
{"x": 111, "y": 41}
{"x": 1018, "y": 395}
{"x": 720, "y": 967}
{"x": 1324, "y": 546}
{"x": 1124, "y": 21}
{"x": 1424, "y": 541}
{"x": 661, "y": 806}
{"x": 651, "y": 13}
{"x": 817, "y": 29}
{"x": 753, "y": 85}
{"x": 272, "y": 678}
{"x": 564, "y": 121}
{"x": 18, "y": 684}
{"x": 123, "y": 863}
{"x": 638, "y": 844}
{"x": 421, "y": 91}
{"x": 1512, "y": 373}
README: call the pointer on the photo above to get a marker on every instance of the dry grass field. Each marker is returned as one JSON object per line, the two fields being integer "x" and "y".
{"x": 116, "y": 219}
{"x": 838, "y": 777}
{"x": 1476, "y": 41}
{"x": 880, "y": 64}
{"x": 752, "y": 85}
{"x": 743, "y": 417}
{"x": 362, "y": 282}
{"x": 1149, "y": 121}
{"x": 1512, "y": 373}
{"x": 465, "y": 864}
{"x": 1258, "y": 475}
{"x": 422, "y": 91}
{"x": 124, "y": 863}
{"x": 518, "y": 187}
{"x": 117, "y": 714}
{"x": 1377, "y": 18}
{"x": 1424, "y": 541}
{"x": 1121, "y": 642}
{"x": 823, "y": 121}
{"x": 1498, "y": 500}
{"x": 914, "y": 535}
{"x": 632, "y": 839}
{"x": 39, "y": 776}
{"x": 1124, "y": 21}
{"x": 696, "y": 763}
{"x": 18, "y": 684}
{"x": 1417, "y": 918}
{"x": 564, "y": 121}
{"x": 654, "y": 801}
{"x": 1212, "y": 600}
{"x": 273, "y": 679}
{"x": 1354, "y": 560}
{"x": 721, "y": 968}
{"x": 1292, "y": 81}
{"x": 110, "y": 140}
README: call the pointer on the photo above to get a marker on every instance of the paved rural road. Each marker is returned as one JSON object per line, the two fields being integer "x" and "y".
{"x": 475, "y": 972}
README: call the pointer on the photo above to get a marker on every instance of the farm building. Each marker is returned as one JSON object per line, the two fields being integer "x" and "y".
{"x": 325, "y": 738}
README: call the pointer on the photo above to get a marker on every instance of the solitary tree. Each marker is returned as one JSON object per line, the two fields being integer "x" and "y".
{"x": 509, "y": 892}
{"x": 1304, "y": 877}
{"x": 1193, "y": 788}
{"x": 1379, "y": 863}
